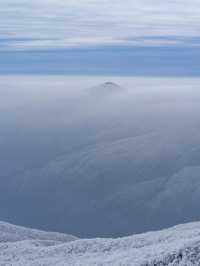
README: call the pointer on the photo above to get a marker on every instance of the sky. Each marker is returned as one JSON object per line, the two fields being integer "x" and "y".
{"x": 129, "y": 37}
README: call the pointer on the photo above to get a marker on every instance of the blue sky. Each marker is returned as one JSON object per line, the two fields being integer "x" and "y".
{"x": 129, "y": 37}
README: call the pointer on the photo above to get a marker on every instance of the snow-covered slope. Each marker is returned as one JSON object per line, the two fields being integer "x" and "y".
{"x": 179, "y": 245}
{"x": 13, "y": 233}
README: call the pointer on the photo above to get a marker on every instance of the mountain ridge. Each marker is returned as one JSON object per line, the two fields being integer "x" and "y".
{"x": 14, "y": 233}
{"x": 176, "y": 246}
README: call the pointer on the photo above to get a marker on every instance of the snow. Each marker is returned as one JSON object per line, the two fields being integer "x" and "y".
{"x": 179, "y": 245}
{"x": 13, "y": 233}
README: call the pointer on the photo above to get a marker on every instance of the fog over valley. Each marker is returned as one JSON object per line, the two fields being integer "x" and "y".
{"x": 99, "y": 156}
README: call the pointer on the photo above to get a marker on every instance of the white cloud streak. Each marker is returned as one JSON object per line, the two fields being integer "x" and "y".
{"x": 79, "y": 22}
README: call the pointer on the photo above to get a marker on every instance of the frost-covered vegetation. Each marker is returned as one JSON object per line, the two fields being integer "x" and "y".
{"x": 177, "y": 246}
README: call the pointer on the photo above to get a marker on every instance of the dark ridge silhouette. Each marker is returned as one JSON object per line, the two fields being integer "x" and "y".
{"x": 106, "y": 88}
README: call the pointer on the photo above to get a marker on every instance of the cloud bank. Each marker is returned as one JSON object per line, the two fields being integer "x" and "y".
{"x": 60, "y": 23}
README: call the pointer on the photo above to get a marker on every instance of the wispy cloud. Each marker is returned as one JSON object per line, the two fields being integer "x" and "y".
{"x": 61, "y": 23}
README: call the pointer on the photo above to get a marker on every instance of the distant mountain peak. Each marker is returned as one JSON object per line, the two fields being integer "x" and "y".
{"x": 106, "y": 88}
{"x": 109, "y": 83}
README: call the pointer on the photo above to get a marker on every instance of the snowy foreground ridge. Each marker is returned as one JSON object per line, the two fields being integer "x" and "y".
{"x": 179, "y": 245}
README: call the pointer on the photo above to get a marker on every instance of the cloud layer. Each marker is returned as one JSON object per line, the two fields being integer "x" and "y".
{"x": 61, "y": 23}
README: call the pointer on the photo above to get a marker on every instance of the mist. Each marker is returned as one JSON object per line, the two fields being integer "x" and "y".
{"x": 81, "y": 158}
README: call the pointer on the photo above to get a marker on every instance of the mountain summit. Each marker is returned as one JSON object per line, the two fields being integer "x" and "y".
{"x": 110, "y": 84}
{"x": 106, "y": 88}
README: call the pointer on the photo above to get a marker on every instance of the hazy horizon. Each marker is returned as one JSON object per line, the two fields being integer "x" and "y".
{"x": 74, "y": 147}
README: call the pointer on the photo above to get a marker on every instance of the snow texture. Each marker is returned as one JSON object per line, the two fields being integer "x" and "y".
{"x": 13, "y": 233}
{"x": 179, "y": 245}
